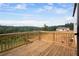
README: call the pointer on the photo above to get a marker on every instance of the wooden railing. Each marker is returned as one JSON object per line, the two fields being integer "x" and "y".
{"x": 12, "y": 40}
{"x": 60, "y": 37}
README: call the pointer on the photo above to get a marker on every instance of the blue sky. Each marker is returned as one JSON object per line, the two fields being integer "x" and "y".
{"x": 35, "y": 14}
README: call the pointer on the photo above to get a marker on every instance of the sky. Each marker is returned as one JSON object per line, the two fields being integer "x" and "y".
{"x": 35, "y": 14}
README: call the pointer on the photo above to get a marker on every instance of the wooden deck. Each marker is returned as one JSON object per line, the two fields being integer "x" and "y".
{"x": 41, "y": 48}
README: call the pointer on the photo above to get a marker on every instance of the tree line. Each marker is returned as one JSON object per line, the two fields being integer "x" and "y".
{"x": 11, "y": 29}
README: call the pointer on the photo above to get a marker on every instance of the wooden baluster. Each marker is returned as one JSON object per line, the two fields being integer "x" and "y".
{"x": 11, "y": 42}
{"x": 54, "y": 36}
{"x": 1, "y": 46}
{"x": 16, "y": 40}
{"x": 8, "y": 43}
{"x": 66, "y": 38}
{"x": 39, "y": 35}
{"x": 4, "y": 44}
{"x": 22, "y": 38}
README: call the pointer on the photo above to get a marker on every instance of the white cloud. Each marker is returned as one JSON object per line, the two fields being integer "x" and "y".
{"x": 45, "y": 9}
{"x": 39, "y": 10}
{"x": 8, "y": 7}
{"x": 35, "y": 22}
{"x": 70, "y": 19}
{"x": 1, "y": 4}
{"x": 50, "y": 4}
{"x": 21, "y": 6}
{"x": 23, "y": 22}
{"x": 48, "y": 8}
{"x": 52, "y": 9}
{"x": 64, "y": 5}
{"x": 16, "y": 14}
{"x": 32, "y": 4}
{"x": 60, "y": 10}
{"x": 4, "y": 5}
{"x": 55, "y": 10}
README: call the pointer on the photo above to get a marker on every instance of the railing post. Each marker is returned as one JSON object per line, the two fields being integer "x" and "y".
{"x": 53, "y": 36}
{"x": 39, "y": 35}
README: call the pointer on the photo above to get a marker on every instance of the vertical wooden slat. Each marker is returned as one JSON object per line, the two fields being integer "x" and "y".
{"x": 5, "y": 44}
{"x": 1, "y": 46}
{"x": 13, "y": 43}
{"x": 53, "y": 36}
{"x": 39, "y": 35}
{"x": 8, "y": 42}
{"x": 67, "y": 38}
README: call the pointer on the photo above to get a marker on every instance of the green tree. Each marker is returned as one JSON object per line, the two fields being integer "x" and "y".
{"x": 45, "y": 27}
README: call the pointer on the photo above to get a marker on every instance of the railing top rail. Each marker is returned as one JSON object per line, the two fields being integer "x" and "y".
{"x": 18, "y": 33}
{"x": 38, "y": 32}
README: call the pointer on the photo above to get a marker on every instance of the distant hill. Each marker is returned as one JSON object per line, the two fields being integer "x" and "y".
{"x": 68, "y": 25}
{"x": 11, "y": 29}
